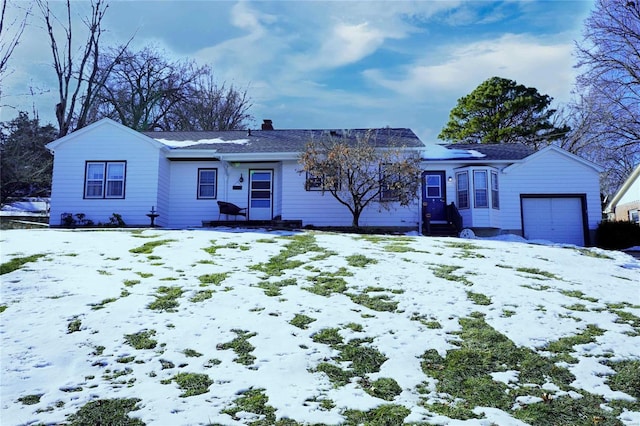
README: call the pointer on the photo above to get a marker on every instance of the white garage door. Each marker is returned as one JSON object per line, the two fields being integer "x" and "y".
{"x": 557, "y": 219}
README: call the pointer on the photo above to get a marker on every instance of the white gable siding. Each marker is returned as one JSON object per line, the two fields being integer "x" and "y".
{"x": 632, "y": 194}
{"x": 105, "y": 143}
{"x": 549, "y": 173}
{"x": 185, "y": 209}
{"x": 318, "y": 209}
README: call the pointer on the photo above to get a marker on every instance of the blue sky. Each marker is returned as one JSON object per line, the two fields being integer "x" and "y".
{"x": 333, "y": 64}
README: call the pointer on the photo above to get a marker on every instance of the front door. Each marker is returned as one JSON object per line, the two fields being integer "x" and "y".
{"x": 260, "y": 194}
{"x": 433, "y": 196}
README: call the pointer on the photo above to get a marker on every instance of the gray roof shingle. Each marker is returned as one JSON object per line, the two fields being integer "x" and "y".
{"x": 260, "y": 141}
{"x": 511, "y": 151}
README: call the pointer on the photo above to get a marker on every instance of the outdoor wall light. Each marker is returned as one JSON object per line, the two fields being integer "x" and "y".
{"x": 241, "y": 178}
{"x": 450, "y": 179}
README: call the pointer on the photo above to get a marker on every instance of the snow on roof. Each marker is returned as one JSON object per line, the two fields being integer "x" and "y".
{"x": 440, "y": 152}
{"x": 183, "y": 144}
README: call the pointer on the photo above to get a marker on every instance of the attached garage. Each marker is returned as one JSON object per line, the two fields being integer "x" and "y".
{"x": 558, "y": 218}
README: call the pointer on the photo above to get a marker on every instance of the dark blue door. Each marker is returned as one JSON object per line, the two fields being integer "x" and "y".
{"x": 433, "y": 195}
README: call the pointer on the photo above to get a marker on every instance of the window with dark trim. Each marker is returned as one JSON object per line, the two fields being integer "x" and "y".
{"x": 480, "y": 193}
{"x": 387, "y": 190}
{"x": 462, "y": 189}
{"x": 495, "y": 194}
{"x": 318, "y": 183}
{"x": 104, "y": 179}
{"x": 207, "y": 183}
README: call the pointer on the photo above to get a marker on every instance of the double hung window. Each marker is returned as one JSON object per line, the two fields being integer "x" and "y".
{"x": 481, "y": 197}
{"x": 104, "y": 179}
{"x": 462, "y": 189}
{"x": 207, "y": 183}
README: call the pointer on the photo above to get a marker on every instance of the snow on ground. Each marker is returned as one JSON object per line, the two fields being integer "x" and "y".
{"x": 82, "y": 269}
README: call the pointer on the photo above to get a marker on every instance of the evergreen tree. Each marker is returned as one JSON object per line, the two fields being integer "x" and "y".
{"x": 25, "y": 163}
{"x": 502, "y": 111}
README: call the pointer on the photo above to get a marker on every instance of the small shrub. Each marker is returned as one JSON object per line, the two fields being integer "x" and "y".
{"x": 116, "y": 220}
{"x": 617, "y": 235}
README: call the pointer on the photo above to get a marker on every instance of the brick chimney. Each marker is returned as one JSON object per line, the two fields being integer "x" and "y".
{"x": 267, "y": 125}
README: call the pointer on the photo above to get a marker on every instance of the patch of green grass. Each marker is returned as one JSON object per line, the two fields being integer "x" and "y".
{"x": 74, "y": 326}
{"x": 107, "y": 412}
{"x": 147, "y": 248}
{"x": 326, "y": 285}
{"x": 215, "y": 279}
{"x": 126, "y": 359}
{"x": 360, "y": 261}
{"x": 578, "y": 294}
{"x": 301, "y": 321}
{"x": 337, "y": 376}
{"x": 273, "y": 288}
{"x": 192, "y": 383}
{"x": 464, "y": 373}
{"x": 566, "y": 344}
{"x": 462, "y": 245}
{"x": 100, "y": 305}
{"x": 141, "y": 340}
{"x": 626, "y": 379}
{"x": 536, "y": 271}
{"x": 18, "y": 262}
{"x": 576, "y": 307}
{"x": 103, "y": 272}
{"x": 386, "y": 414}
{"x": 358, "y": 328}
{"x": 478, "y": 298}
{"x": 212, "y": 362}
{"x": 145, "y": 274}
{"x": 131, "y": 283}
{"x": 299, "y": 244}
{"x": 328, "y": 336}
{"x": 384, "y": 388}
{"x": 30, "y": 399}
{"x": 364, "y": 359}
{"x": 446, "y": 272}
{"x": 241, "y": 347}
{"x": 191, "y": 353}
{"x": 380, "y": 302}
{"x": 593, "y": 253}
{"x": 253, "y": 401}
{"x": 166, "y": 300}
{"x": 3, "y": 308}
{"x": 399, "y": 247}
{"x": 201, "y": 296}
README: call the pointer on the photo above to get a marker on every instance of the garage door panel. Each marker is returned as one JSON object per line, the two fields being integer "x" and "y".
{"x": 557, "y": 219}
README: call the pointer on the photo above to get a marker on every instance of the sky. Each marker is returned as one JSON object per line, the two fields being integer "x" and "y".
{"x": 331, "y": 64}
{"x": 532, "y": 294}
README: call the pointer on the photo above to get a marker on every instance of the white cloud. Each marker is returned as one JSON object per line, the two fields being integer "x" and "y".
{"x": 525, "y": 59}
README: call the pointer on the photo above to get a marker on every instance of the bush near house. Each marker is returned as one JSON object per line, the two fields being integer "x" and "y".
{"x": 618, "y": 235}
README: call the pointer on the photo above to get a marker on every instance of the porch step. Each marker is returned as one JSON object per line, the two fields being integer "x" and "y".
{"x": 277, "y": 224}
{"x": 442, "y": 230}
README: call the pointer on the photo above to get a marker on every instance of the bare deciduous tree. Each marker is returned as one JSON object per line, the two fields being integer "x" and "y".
{"x": 212, "y": 106}
{"x": 10, "y": 33}
{"x": 143, "y": 89}
{"x": 79, "y": 76}
{"x": 606, "y": 116}
{"x": 356, "y": 172}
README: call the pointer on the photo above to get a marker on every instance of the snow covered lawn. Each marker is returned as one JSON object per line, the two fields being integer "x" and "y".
{"x": 257, "y": 327}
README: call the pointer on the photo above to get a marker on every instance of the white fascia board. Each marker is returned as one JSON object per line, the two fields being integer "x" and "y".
{"x": 259, "y": 156}
{"x": 189, "y": 153}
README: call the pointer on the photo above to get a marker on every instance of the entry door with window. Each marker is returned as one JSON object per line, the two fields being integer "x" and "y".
{"x": 433, "y": 195}
{"x": 260, "y": 194}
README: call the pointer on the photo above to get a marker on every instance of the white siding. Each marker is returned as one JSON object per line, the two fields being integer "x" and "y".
{"x": 316, "y": 208}
{"x": 105, "y": 142}
{"x": 550, "y": 173}
{"x": 632, "y": 194}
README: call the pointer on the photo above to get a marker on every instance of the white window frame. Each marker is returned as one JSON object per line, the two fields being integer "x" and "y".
{"x": 102, "y": 183}
{"x": 202, "y": 185}
{"x": 495, "y": 191}
{"x": 462, "y": 190}
{"x": 479, "y": 190}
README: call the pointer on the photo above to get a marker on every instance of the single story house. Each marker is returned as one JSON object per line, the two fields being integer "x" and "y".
{"x": 107, "y": 168}
{"x": 625, "y": 203}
